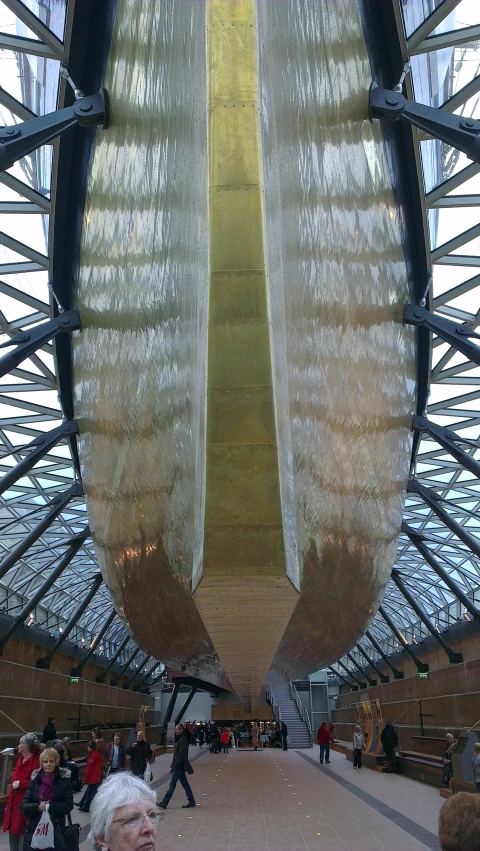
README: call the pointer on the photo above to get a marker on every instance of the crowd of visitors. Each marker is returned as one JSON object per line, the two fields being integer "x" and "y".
{"x": 45, "y": 776}
{"x": 122, "y": 805}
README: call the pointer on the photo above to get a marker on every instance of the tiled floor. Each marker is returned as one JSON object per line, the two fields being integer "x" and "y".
{"x": 276, "y": 801}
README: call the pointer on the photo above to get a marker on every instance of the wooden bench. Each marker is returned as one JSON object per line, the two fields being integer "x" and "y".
{"x": 421, "y": 766}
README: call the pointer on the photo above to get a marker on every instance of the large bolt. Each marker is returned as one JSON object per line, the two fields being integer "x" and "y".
{"x": 86, "y": 106}
{"x": 393, "y": 100}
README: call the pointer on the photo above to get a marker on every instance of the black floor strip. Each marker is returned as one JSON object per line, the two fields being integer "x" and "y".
{"x": 420, "y": 833}
{"x": 163, "y": 779}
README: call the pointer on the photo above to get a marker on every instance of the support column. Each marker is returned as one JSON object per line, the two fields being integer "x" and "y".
{"x": 77, "y": 672}
{"x": 453, "y": 658}
{"x": 186, "y": 705}
{"x": 171, "y": 703}
{"x": 422, "y": 667}
{"x": 100, "y": 678}
{"x": 139, "y": 685}
{"x": 432, "y": 500}
{"x": 361, "y": 684}
{"x": 55, "y": 506}
{"x": 38, "y": 448}
{"x": 135, "y": 673}
{"x": 383, "y": 677}
{"x": 73, "y": 548}
{"x": 449, "y": 581}
{"x": 362, "y": 670}
{"x": 341, "y": 677}
{"x": 45, "y": 661}
{"x": 398, "y": 675}
{"x": 127, "y": 664}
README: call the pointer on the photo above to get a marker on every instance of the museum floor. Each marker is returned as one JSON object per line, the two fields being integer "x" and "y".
{"x": 276, "y": 801}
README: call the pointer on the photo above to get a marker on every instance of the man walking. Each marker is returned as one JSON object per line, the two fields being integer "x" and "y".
{"x": 180, "y": 765}
{"x": 324, "y": 737}
{"x": 284, "y": 736}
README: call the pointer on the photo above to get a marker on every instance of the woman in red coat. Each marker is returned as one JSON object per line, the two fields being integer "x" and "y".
{"x": 92, "y": 776}
{"x": 14, "y": 821}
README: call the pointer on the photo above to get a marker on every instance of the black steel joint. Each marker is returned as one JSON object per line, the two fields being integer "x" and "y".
{"x": 451, "y": 332}
{"x": 457, "y": 131}
{"x": 19, "y": 140}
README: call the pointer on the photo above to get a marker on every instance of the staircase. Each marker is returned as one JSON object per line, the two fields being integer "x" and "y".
{"x": 298, "y": 733}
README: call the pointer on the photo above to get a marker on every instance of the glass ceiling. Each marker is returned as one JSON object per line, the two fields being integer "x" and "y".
{"x": 445, "y": 71}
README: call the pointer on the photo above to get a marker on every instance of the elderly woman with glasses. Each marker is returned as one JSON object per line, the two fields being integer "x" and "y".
{"x": 123, "y": 815}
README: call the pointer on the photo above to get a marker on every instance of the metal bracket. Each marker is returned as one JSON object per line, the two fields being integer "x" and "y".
{"x": 18, "y": 140}
{"x": 449, "y": 440}
{"x": 27, "y": 342}
{"x": 453, "y": 334}
{"x": 456, "y": 130}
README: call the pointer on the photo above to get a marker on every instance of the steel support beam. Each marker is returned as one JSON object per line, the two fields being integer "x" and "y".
{"x": 433, "y": 501}
{"x": 185, "y": 706}
{"x": 77, "y": 672}
{"x": 398, "y": 675}
{"x": 135, "y": 673}
{"x": 343, "y": 679}
{"x": 157, "y": 679}
{"x": 449, "y": 440}
{"x": 370, "y": 681}
{"x": 383, "y": 677}
{"x": 19, "y": 140}
{"x": 73, "y": 547}
{"x": 27, "y": 342}
{"x": 55, "y": 506}
{"x": 127, "y": 664}
{"x": 453, "y": 658}
{"x": 100, "y": 678}
{"x": 449, "y": 581}
{"x": 45, "y": 661}
{"x": 458, "y": 131}
{"x": 138, "y": 686}
{"x": 453, "y": 333}
{"x": 422, "y": 667}
{"x": 361, "y": 684}
{"x": 171, "y": 704}
{"x": 39, "y": 447}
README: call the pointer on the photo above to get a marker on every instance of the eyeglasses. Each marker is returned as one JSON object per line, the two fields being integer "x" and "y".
{"x": 136, "y": 820}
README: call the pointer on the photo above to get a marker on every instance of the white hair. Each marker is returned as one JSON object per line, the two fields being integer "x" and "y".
{"x": 29, "y": 739}
{"x": 118, "y": 790}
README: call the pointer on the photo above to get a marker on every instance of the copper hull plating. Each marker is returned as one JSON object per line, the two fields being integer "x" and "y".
{"x": 328, "y": 409}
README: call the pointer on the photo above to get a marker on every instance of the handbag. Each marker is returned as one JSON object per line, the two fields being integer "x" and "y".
{"x": 71, "y": 835}
{"x": 188, "y": 767}
{"x": 147, "y": 774}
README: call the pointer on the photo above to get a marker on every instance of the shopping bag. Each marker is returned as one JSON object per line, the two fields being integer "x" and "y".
{"x": 188, "y": 767}
{"x": 43, "y": 836}
{"x": 147, "y": 774}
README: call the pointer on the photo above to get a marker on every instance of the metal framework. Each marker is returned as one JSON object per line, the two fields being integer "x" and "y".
{"x": 438, "y": 561}
{"x": 42, "y": 509}
{"x": 439, "y": 546}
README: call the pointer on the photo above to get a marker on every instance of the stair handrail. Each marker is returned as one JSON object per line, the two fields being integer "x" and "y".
{"x": 276, "y": 709}
{"x": 302, "y": 710}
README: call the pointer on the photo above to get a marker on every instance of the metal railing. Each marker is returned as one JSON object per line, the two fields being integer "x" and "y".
{"x": 303, "y": 711}
{"x": 276, "y": 709}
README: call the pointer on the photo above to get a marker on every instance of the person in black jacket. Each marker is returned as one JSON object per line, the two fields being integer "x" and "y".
{"x": 389, "y": 740}
{"x": 49, "y": 789}
{"x": 180, "y": 765}
{"x": 49, "y": 731}
{"x": 140, "y": 754}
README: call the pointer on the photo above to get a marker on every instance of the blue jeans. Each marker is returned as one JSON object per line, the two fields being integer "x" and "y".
{"x": 92, "y": 789}
{"x": 178, "y": 774}
{"x": 325, "y": 752}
